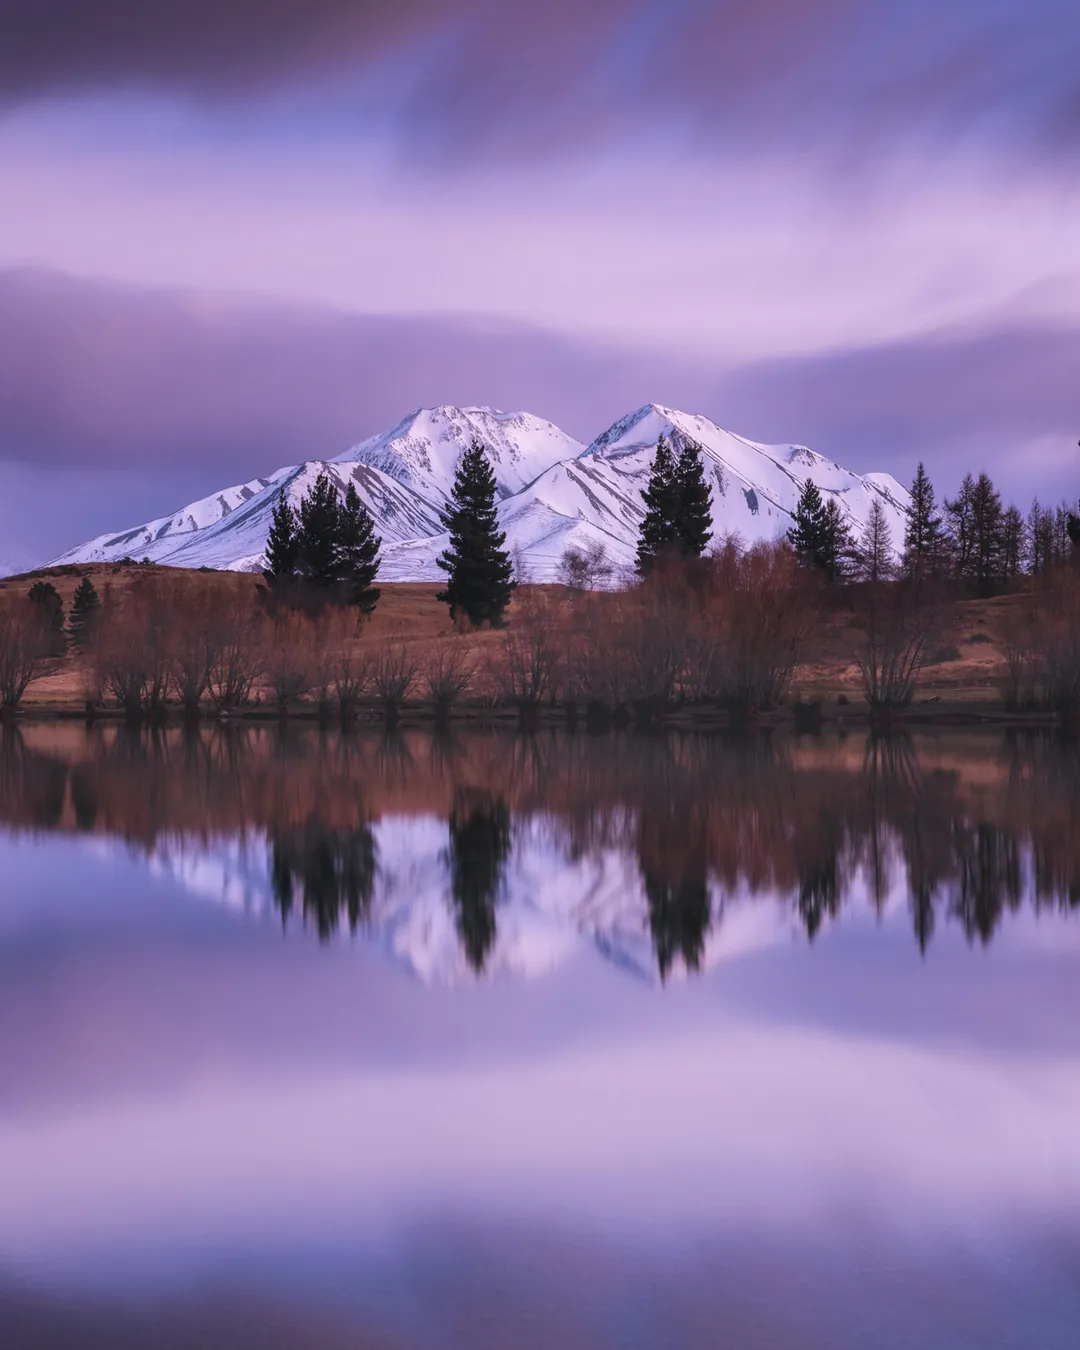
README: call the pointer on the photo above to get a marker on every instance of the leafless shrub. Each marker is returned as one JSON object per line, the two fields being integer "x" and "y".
{"x": 745, "y": 639}
{"x": 394, "y": 671}
{"x": 1057, "y": 626}
{"x": 237, "y": 656}
{"x": 525, "y": 669}
{"x": 192, "y": 637}
{"x": 897, "y": 620}
{"x": 131, "y": 650}
{"x": 289, "y": 661}
{"x": 1020, "y": 689}
{"x": 586, "y": 568}
{"x": 655, "y": 641}
{"x": 25, "y": 644}
{"x": 447, "y": 675}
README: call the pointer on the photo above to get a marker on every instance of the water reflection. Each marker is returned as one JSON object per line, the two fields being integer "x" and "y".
{"x": 965, "y": 828}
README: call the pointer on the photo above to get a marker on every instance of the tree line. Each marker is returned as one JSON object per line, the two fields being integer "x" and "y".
{"x": 973, "y": 538}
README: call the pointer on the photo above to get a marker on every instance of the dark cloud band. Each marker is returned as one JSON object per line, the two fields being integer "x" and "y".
{"x": 825, "y": 76}
{"x": 101, "y": 377}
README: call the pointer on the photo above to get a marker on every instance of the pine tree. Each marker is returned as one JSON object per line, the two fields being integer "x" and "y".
{"x": 480, "y": 571}
{"x": 84, "y": 610}
{"x": 960, "y": 526}
{"x": 282, "y": 545}
{"x": 838, "y": 555}
{"x": 875, "y": 545}
{"x": 658, "y": 535}
{"x": 318, "y": 539}
{"x": 922, "y": 534}
{"x": 808, "y": 534}
{"x": 986, "y": 563}
{"x": 1014, "y": 542}
{"x": 693, "y": 503}
{"x": 358, "y": 552}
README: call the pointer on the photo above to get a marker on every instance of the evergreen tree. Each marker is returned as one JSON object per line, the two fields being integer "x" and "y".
{"x": 986, "y": 561}
{"x": 808, "y": 534}
{"x": 319, "y": 533}
{"x": 838, "y": 555}
{"x": 358, "y": 552}
{"x": 693, "y": 503}
{"x": 922, "y": 535}
{"x": 84, "y": 610}
{"x": 282, "y": 545}
{"x": 480, "y": 571}
{"x": 659, "y": 535}
{"x": 959, "y": 514}
{"x": 1014, "y": 542}
{"x": 875, "y": 545}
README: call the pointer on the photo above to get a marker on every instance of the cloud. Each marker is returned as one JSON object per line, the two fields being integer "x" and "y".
{"x": 465, "y": 74}
{"x": 1005, "y": 400}
{"x": 103, "y": 376}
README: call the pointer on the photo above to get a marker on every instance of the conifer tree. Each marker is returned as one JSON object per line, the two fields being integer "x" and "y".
{"x": 319, "y": 533}
{"x": 693, "y": 503}
{"x": 875, "y": 545}
{"x": 358, "y": 552}
{"x": 987, "y": 542}
{"x": 282, "y": 545}
{"x": 838, "y": 556}
{"x": 1013, "y": 542}
{"x": 658, "y": 535}
{"x": 808, "y": 534}
{"x": 84, "y": 610}
{"x": 922, "y": 534}
{"x": 958, "y": 513}
{"x": 480, "y": 572}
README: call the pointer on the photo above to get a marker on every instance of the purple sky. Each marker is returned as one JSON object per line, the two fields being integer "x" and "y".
{"x": 236, "y": 233}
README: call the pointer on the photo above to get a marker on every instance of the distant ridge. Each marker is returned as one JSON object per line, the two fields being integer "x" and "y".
{"x": 554, "y": 491}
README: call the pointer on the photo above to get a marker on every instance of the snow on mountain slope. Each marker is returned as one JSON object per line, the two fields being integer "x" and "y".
{"x": 556, "y": 493}
{"x": 235, "y": 536}
{"x": 755, "y": 487}
{"x": 424, "y": 448}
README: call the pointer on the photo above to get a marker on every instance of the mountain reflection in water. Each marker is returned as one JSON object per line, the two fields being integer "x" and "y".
{"x": 803, "y": 1068}
{"x": 617, "y": 837}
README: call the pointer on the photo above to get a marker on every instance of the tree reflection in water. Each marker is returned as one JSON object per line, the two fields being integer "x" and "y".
{"x": 966, "y": 827}
{"x": 332, "y": 874}
{"x": 476, "y": 857}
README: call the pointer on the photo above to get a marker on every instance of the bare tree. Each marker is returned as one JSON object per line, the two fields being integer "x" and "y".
{"x": 394, "y": 671}
{"x": 525, "y": 668}
{"x": 289, "y": 660}
{"x": 448, "y": 673}
{"x": 587, "y": 568}
{"x": 191, "y": 643}
{"x": 897, "y": 620}
{"x": 747, "y": 636}
{"x": 237, "y": 659}
{"x": 25, "y": 644}
{"x": 1058, "y": 642}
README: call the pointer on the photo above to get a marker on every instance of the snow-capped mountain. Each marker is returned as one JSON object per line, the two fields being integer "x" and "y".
{"x": 555, "y": 492}
{"x": 424, "y": 448}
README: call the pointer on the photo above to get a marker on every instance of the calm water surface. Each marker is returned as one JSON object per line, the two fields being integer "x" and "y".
{"x": 322, "y": 1040}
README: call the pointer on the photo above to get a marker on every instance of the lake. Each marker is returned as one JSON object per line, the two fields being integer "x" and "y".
{"x": 491, "y": 1040}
